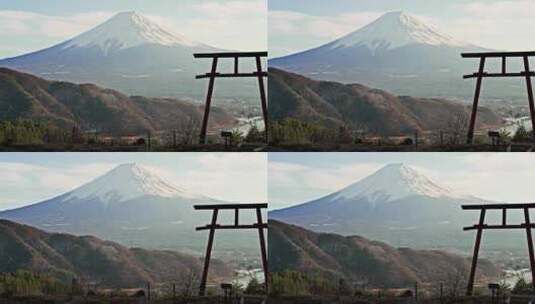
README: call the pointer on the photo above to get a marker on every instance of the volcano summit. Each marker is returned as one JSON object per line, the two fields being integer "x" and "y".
{"x": 130, "y": 53}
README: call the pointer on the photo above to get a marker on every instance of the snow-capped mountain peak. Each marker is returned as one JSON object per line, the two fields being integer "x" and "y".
{"x": 393, "y": 30}
{"x": 125, "y": 182}
{"x": 394, "y": 182}
{"x": 126, "y": 30}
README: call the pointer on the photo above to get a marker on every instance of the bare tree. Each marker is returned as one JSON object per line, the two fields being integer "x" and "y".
{"x": 457, "y": 128}
{"x": 189, "y": 129}
{"x": 455, "y": 283}
{"x": 188, "y": 282}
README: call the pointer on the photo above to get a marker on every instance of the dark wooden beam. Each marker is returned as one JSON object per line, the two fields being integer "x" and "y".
{"x": 497, "y": 54}
{"x": 236, "y": 65}
{"x": 236, "y": 74}
{"x": 208, "y": 103}
{"x": 202, "y": 289}
{"x": 530, "y": 93}
{"x": 218, "y": 227}
{"x": 471, "y": 279}
{"x": 230, "y": 54}
{"x": 232, "y": 75}
{"x": 527, "y": 73}
{"x": 497, "y": 227}
{"x": 263, "y": 98}
{"x": 495, "y": 75}
{"x": 498, "y": 206}
{"x": 260, "y": 225}
{"x": 472, "y": 125}
{"x": 263, "y": 250}
{"x": 530, "y": 245}
{"x": 230, "y": 206}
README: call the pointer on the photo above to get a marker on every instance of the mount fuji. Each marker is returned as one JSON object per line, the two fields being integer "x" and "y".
{"x": 130, "y": 204}
{"x": 129, "y": 53}
{"x": 396, "y": 204}
{"x": 397, "y": 52}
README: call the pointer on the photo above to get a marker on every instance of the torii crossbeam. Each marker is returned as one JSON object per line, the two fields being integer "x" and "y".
{"x": 527, "y": 225}
{"x": 260, "y": 225}
{"x": 259, "y": 73}
{"x": 527, "y": 73}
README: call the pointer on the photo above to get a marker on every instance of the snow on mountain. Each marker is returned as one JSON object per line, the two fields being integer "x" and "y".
{"x": 134, "y": 55}
{"x": 396, "y": 191}
{"x": 131, "y": 205}
{"x": 398, "y": 53}
{"x": 126, "y": 182}
{"x": 126, "y": 30}
{"x": 395, "y": 182}
{"x": 396, "y": 204}
{"x": 393, "y": 30}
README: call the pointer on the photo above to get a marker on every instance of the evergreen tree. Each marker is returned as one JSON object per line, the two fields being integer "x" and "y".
{"x": 521, "y": 134}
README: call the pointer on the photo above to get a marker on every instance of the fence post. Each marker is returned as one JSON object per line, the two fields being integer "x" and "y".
{"x": 416, "y": 291}
{"x": 174, "y": 293}
{"x": 148, "y": 291}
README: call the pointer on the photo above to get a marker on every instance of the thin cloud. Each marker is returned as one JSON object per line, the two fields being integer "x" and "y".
{"x": 491, "y": 176}
{"x": 23, "y": 183}
{"x": 295, "y": 31}
{"x": 290, "y": 183}
{"x": 504, "y": 25}
{"x": 240, "y": 25}
{"x": 225, "y": 176}
{"x": 29, "y": 23}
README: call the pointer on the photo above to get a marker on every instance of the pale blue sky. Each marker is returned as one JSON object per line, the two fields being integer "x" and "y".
{"x": 31, "y": 177}
{"x": 301, "y": 24}
{"x": 29, "y": 25}
{"x": 290, "y": 178}
{"x": 299, "y": 177}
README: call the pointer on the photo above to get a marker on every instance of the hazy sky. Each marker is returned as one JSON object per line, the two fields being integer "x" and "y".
{"x": 29, "y": 25}
{"x": 301, "y": 24}
{"x": 31, "y": 177}
{"x": 299, "y": 177}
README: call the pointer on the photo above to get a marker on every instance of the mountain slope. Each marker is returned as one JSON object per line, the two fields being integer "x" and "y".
{"x": 334, "y": 104}
{"x": 91, "y": 107}
{"x": 395, "y": 193}
{"x": 399, "y": 53}
{"x": 394, "y": 30}
{"x": 126, "y": 182}
{"x": 126, "y": 30}
{"x": 132, "y": 54}
{"x": 130, "y": 205}
{"x": 396, "y": 204}
{"x": 361, "y": 260}
{"x": 92, "y": 259}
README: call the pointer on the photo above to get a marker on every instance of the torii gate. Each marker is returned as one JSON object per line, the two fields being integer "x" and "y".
{"x": 527, "y": 73}
{"x": 527, "y": 225}
{"x": 260, "y": 74}
{"x": 260, "y": 225}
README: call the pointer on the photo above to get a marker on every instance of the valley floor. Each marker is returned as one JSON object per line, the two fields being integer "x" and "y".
{"x": 131, "y": 148}
{"x": 401, "y": 148}
{"x": 129, "y": 300}
{"x": 397, "y": 300}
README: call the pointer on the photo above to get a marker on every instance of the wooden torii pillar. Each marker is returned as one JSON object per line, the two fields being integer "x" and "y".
{"x": 480, "y": 226}
{"x": 259, "y": 74}
{"x": 480, "y": 74}
{"x": 260, "y": 225}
